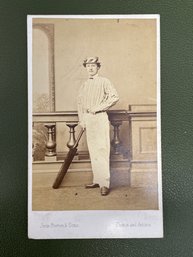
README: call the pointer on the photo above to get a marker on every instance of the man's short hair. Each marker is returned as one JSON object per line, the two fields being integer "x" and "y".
{"x": 91, "y": 60}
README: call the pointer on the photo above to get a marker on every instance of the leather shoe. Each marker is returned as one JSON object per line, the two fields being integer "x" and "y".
{"x": 93, "y": 185}
{"x": 104, "y": 191}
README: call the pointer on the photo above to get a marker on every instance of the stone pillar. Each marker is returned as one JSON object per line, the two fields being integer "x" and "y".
{"x": 116, "y": 142}
{"x": 72, "y": 138}
{"x": 51, "y": 143}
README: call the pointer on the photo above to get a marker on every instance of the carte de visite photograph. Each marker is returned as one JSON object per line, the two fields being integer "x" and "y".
{"x": 94, "y": 123}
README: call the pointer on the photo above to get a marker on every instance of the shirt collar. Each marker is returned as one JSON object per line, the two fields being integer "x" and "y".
{"x": 94, "y": 77}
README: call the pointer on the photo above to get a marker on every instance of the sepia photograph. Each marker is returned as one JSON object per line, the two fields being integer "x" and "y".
{"x": 94, "y": 123}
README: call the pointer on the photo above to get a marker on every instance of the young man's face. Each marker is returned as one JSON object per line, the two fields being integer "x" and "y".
{"x": 92, "y": 69}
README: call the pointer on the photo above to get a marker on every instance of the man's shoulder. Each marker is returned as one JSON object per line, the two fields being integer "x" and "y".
{"x": 104, "y": 79}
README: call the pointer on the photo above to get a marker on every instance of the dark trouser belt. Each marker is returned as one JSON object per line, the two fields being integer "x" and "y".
{"x": 99, "y": 112}
{"x": 87, "y": 111}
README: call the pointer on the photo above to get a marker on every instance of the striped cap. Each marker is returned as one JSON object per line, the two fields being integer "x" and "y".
{"x": 91, "y": 60}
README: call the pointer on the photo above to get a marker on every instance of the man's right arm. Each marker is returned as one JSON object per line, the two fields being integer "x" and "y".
{"x": 80, "y": 109}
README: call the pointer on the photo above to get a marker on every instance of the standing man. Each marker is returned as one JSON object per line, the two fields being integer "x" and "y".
{"x": 96, "y": 96}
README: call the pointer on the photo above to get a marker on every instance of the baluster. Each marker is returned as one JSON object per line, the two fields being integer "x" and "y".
{"x": 51, "y": 143}
{"x": 72, "y": 138}
{"x": 116, "y": 142}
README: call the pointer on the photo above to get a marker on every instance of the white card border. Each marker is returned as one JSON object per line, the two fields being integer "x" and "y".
{"x": 94, "y": 224}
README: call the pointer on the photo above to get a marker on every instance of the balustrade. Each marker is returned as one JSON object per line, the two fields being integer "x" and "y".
{"x": 133, "y": 132}
{"x": 50, "y": 120}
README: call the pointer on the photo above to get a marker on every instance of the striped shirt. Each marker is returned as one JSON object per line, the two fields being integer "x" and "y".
{"x": 96, "y": 94}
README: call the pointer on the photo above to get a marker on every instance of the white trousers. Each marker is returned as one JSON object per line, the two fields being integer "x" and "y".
{"x": 98, "y": 141}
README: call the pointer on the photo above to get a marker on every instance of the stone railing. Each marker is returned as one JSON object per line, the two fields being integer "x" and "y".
{"x": 49, "y": 120}
{"x": 70, "y": 119}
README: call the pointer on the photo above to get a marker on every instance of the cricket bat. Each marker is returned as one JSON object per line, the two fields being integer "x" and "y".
{"x": 67, "y": 162}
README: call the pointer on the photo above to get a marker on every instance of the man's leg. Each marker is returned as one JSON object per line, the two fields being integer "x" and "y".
{"x": 98, "y": 141}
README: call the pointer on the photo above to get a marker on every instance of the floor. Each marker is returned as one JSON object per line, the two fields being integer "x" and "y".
{"x": 76, "y": 197}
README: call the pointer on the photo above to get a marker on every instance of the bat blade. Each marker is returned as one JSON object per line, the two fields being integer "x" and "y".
{"x": 64, "y": 167}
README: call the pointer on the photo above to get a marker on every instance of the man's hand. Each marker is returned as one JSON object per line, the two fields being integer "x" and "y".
{"x": 92, "y": 111}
